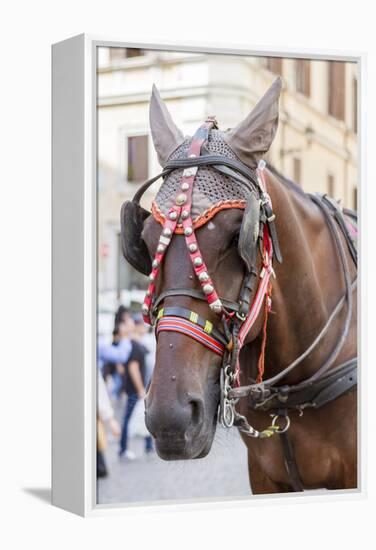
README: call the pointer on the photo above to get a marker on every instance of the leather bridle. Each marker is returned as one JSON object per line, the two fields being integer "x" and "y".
{"x": 237, "y": 317}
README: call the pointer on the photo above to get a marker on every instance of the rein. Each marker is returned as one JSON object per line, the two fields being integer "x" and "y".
{"x": 266, "y": 395}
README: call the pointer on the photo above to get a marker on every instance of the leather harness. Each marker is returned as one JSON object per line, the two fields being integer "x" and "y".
{"x": 237, "y": 318}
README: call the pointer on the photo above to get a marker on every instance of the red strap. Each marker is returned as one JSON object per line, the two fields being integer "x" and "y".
{"x": 263, "y": 288}
{"x": 178, "y": 324}
{"x": 182, "y": 210}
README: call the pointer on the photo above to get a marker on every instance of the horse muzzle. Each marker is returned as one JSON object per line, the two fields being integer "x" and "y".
{"x": 178, "y": 427}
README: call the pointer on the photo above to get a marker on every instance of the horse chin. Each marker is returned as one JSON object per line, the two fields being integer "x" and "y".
{"x": 207, "y": 447}
{"x": 169, "y": 447}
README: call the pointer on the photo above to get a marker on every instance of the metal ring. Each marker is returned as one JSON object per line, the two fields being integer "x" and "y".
{"x": 288, "y": 422}
{"x": 228, "y": 409}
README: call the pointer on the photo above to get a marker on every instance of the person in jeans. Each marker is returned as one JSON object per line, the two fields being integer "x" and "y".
{"x": 134, "y": 386}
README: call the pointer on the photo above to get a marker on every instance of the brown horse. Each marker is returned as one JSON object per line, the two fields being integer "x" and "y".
{"x": 182, "y": 401}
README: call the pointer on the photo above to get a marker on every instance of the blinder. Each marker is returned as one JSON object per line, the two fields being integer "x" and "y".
{"x": 249, "y": 232}
{"x": 132, "y": 218}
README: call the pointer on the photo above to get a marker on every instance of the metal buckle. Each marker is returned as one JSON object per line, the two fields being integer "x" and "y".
{"x": 213, "y": 120}
{"x": 241, "y": 316}
{"x": 226, "y": 409}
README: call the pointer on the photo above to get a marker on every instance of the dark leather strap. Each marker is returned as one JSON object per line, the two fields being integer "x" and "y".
{"x": 192, "y": 293}
{"x": 229, "y": 167}
{"x": 273, "y": 232}
{"x": 212, "y": 160}
{"x": 336, "y": 382}
{"x": 338, "y": 215}
{"x": 290, "y": 462}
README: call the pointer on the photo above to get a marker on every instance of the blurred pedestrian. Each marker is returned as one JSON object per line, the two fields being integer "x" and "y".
{"x": 105, "y": 415}
{"x": 144, "y": 335}
{"x": 115, "y": 353}
{"x": 110, "y": 370}
{"x": 134, "y": 386}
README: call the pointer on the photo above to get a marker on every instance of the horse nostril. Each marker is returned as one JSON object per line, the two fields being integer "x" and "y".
{"x": 197, "y": 411}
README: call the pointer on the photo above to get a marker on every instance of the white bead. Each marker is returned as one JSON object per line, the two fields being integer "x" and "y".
{"x": 188, "y": 231}
{"x": 208, "y": 289}
{"x": 173, "y": 215}
{"x": 216, "y": 306}
{"x": 197, "y": 262}
{"x": 193, "y": 248}
{"x": 203, "y": 277}
{"x": 164, "y": 240}
{"x": 181, "y": 199}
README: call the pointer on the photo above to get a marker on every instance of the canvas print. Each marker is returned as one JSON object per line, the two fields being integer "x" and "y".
{"x": 227, "y": 273}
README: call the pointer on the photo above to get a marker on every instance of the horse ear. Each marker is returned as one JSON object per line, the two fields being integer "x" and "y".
{"x": 166, "y": 135}
{"x": 251, "y": 139}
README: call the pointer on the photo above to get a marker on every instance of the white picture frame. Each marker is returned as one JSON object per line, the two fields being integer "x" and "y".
{"x": 74, "y": 260}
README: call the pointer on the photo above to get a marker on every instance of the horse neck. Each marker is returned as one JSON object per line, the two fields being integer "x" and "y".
{"x": 306, "y": 287}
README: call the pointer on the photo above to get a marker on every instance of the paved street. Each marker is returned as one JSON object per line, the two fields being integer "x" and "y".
{"x": 223, "y": 473}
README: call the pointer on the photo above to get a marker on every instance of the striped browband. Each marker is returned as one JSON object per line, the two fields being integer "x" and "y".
{"x": 185, "y": 321}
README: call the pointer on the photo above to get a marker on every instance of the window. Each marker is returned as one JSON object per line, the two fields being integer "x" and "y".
{"x": 297, "y": 170}
{"x": 303, "y": 76}
{"x": 274, "y": 64}
{"x": 137, "y": 154}
{"x": 355, "y": 105}
{"x": 133, "y": 52}
{"x": 117, "y": 54}
{"x": 336, "y": 90}
{"x": 331, "y": 185}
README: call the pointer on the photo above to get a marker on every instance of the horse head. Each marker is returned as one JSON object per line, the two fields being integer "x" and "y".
{"x": 204, "y": 236}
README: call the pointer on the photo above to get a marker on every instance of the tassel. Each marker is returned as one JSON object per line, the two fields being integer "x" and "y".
{"x": 261, "y": 361}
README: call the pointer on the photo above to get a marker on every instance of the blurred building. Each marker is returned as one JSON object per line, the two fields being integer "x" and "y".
{"x": 316, "y": 143}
